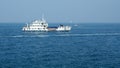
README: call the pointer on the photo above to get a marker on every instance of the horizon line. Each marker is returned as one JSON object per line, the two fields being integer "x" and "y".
{"x": 63, "y": 22}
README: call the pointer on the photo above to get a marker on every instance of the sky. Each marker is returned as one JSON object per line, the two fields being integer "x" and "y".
{"x": 60, "y": 10}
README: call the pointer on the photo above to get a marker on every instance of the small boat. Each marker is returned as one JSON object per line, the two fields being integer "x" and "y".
{"x": 42, "y": 25}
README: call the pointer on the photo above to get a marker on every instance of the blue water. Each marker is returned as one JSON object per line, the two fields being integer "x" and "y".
{"x": 85, "y": 46}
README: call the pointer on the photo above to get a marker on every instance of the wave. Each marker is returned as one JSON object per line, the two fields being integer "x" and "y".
{"x": 19, "y": 36}
{"x": 95, "y": 34}
{"x": 66, "y": 35}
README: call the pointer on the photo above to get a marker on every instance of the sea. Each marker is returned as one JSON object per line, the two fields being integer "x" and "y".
{"x": 87, "y": 45}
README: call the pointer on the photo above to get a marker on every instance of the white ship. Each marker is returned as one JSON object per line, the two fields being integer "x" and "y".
{"x": 42, "y": 25}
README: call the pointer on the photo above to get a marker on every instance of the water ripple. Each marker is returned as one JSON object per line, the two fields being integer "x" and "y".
{"x": 65, "y": 35}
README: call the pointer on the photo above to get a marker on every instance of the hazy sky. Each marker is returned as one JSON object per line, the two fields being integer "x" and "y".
{"x": 60, "y": 10}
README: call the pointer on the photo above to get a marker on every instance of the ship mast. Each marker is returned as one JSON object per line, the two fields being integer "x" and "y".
{"x": 43, "y": 17}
